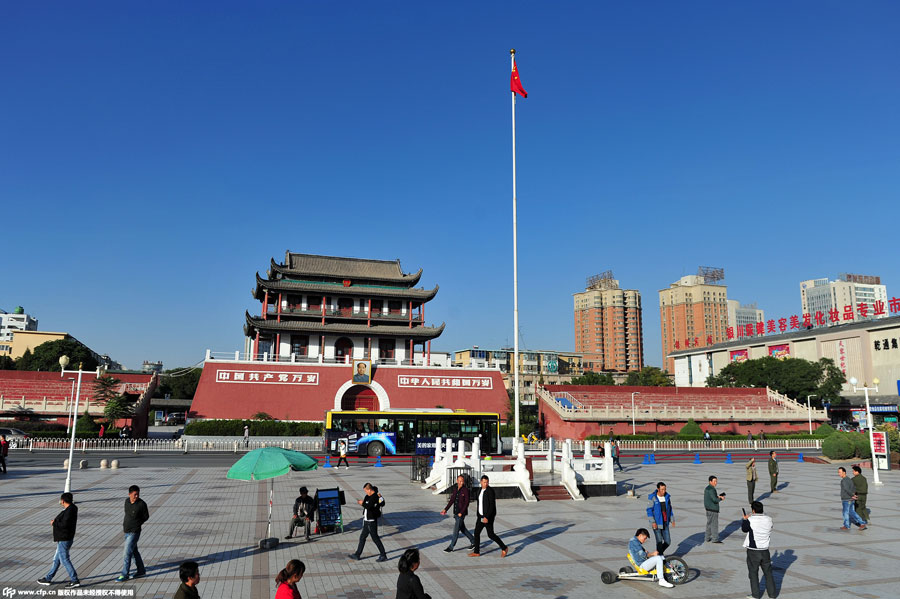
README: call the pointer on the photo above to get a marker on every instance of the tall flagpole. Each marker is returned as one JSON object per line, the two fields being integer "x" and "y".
{"x": 512, "y": 62}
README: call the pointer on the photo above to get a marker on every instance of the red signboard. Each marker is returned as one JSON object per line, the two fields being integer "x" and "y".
{"x": 879, "y": 441}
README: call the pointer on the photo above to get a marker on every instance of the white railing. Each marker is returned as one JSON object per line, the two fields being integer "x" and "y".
{"x": 419, "y": 360}
{"x": 541, "y": 447}
{"x": 174, "y": 445}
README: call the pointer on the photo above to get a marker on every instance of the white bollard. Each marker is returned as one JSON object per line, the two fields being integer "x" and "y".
{"x": 114, "y": 465}
{"x": 83, "y": 465}
{"x": 66, "y": 463}
{"x": 104, "y": 464}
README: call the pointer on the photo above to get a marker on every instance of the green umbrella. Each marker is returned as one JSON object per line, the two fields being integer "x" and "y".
{"x": 269, "y": 462}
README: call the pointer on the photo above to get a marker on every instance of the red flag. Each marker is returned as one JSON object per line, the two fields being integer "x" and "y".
{"x": 515, "y": 85}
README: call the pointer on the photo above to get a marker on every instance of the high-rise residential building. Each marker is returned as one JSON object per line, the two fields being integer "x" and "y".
{"x": 16, "y": 321}
{"x": 742, "y": 315}
{"x": 608, "y": 326}
{"x": 693, "y": 312}
{"x": 822, "y": 295}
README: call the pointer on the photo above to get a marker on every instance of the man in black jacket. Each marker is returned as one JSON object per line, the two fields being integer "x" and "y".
{"x": 487, "y": 511}
{"x": 64, "y": 534}
{"x": 136, "y": 513}
{"x": 459, "y": 499}
{"x": 371, "y": 504}
{"x": 304, "y": 508}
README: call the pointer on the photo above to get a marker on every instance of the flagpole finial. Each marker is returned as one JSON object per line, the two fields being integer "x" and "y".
{"x": 513, "y": 51}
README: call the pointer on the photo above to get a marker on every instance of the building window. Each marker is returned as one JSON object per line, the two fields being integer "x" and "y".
{"x": 386, "y": 349}
{"x": 300, "y": 345}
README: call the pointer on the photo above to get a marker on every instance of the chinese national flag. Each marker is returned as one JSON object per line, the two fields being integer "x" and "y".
{"x": 515, "y": 84}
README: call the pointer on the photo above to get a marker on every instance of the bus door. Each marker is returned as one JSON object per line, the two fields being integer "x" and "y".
{"x": 406, "y": 436}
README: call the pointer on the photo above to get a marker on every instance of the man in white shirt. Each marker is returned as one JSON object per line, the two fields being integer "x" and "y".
{"x": 758, "y": 527}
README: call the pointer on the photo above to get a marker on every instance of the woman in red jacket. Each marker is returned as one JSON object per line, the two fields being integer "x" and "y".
{"x": 287, "y": 580}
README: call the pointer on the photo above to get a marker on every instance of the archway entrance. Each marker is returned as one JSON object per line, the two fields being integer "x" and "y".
{"x": 343, "y": 348}
{"x": 359, "y": 396}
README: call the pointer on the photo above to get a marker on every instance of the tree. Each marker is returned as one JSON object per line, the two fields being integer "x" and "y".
{"x": 179, "y": 383}
{"x": 7, "y": 363}
{"x": 649, "y": 376}
{"x": 593, "y": 378}
{"x": 794, "y": 377}
{"x": 46, "y": 356}
{"x": 106, "y": 389}
{"x": 117, "y": 408}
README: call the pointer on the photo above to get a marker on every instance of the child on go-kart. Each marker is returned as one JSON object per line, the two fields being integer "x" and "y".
{"x": 647, "y": 561}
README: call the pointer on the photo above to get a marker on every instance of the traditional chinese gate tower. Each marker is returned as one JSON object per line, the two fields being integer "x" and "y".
{"x": 330, "y": 309}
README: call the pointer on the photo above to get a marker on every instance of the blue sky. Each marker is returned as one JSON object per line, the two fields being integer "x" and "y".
{"x": 154, "y": 155}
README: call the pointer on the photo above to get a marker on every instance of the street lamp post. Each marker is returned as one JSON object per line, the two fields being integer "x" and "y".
{"x": 70, "y": 412}
{"x": 633, "y": 427}
{"x": 869, "y": 422}
{"x": 63, "y": 362}
{"x": 809, "y": 412}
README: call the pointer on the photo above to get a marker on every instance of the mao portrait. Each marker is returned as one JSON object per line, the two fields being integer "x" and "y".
{"x": 362, "y": 370}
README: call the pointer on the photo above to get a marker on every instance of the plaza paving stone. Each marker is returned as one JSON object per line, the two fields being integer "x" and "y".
{"x": 558, "y": 549}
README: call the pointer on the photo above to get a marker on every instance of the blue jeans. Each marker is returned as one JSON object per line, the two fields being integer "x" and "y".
{"x": 459, "y": 526}
{"x": 62, "y": 557}
{"x": 850, "y": 514}
{"x": 131, "y": 550}
{"x": 663, "y": 539}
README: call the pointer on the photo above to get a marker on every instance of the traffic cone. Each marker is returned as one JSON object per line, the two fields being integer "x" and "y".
{"x": 652, "y": 458}
{"x": 378, "y": 463}
{"x": 646, "y": 458}
{"x": 800, "y": 458}
{"x": 327, "y": 462}
{"x": 697, "y": 459}
{"x": 728, "y": 459}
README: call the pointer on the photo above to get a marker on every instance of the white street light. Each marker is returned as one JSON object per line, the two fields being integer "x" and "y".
{"x": 70, "y": 414}
{"x": 809, "y": 412}
{"x": 866, "y": 388}
{"x": 633, "y": 427}
{"x": 63, "y": 362}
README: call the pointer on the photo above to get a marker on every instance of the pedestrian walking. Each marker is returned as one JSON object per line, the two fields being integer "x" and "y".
{"x": 304, "y": 508}
{"x": 711, "y": 499}
{"x": 487, "y": 511}
{"x": 189, "y": 573}
{"x": 342, "y": 450}
{"x": 752, "y": 477}
{"x": 136, "y": 513}
{"x": 862, "y": 492}
{"x": 662, "y": 517}
{"x": 371, "y": 504}
{"x": 758, "y": 527}
{"x": 288, "y": 578}
{"x": 848, "y": 498}
{"x": 749, "y": 438}
{"x": 647, "y": 561}
{"x": 246, "y": 435}
{"x": 408, "y": 584}
{"x": 773, "y": 471}
{"x": 4, "y": 452}
{"x": 706, "y": 437}
{"x": 102, "y": 430}
{"x": 63, "y": 534}
{"x": 615, "y": 456}
{"x": 459, "y": 499}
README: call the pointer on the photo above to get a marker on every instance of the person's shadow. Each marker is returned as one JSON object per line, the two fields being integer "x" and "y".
{"x": 688, "y": 543}
{"x": 733, "y": 526}
{"x": 781, "y": 561}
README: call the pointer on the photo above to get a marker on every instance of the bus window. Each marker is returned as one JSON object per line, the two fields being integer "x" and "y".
{"x": 453, "y": 427}
{"x": 364, "y": 425}
{"x": 342, "y": 424}
{"x": 383, "y": 425}
{"x": 469, "y": 428}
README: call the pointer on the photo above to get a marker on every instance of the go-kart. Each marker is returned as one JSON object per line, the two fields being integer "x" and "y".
{"x": 676, "y": 571}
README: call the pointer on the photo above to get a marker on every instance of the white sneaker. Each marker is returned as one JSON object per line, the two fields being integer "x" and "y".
{"x": 665, "y": 583}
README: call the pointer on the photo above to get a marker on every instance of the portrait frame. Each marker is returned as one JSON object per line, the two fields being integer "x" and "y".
{"x": 364, "y": 376}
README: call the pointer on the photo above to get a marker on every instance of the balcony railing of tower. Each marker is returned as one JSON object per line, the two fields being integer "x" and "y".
{"x": 419, "y": 360}
{"x": 345, "y": 313}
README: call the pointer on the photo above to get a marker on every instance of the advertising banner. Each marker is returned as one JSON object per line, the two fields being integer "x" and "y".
{"x": 739, "y": 355}
{"x": 780, "y": 351}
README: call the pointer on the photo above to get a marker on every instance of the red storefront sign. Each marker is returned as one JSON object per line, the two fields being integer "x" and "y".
{"x": 879, "y": 441}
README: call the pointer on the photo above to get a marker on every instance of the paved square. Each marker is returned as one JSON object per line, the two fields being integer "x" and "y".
{"x": 557, "y": 548}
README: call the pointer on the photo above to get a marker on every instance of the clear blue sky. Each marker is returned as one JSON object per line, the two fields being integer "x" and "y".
{"x": 154, "y": 155}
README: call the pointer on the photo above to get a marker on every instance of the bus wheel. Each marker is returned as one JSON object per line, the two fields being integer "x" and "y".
{"x": 375, "y": 449}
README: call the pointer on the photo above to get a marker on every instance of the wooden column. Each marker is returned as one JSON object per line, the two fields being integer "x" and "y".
{"x": 369, "y": 324}
{"x": 278, "y": 309}
{"x": 410, "y": 351}
{"x": 265, "y": 305}
{"x": 323, "y": 312}
{"x": 428, "y": 359}
{"x": 409, "y": 309}
{"x": 277, "y": 351}
{"x": 256, "y": 346}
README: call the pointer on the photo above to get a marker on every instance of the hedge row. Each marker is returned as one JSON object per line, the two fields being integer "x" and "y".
{"x": 258, "y": 428}
{"x": 842, "y": 446}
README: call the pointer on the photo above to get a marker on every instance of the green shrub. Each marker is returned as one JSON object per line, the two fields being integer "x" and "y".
{"x": 690, "y": 431}
{"x": 86, "y": 424}
{"x": 838, "y": 447}
{"x": 861, "y": 445}
{"x": 825, "y": 430}
{"x": 893, "y": 435}
{"x": 258, "y": 428}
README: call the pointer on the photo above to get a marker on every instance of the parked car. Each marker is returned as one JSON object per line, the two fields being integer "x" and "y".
{"x": 175, "y": 418}
{"x": 15, "y": 436}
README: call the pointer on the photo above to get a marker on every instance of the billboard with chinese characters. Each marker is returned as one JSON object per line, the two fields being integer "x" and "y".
{"x": 881, "y": 450}
{"x": 739, "y": 355}
{"x": 780, "y": 351}
{"x": 267, "y": 376}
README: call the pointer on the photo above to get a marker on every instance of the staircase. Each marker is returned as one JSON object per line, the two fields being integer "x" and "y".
{"x": 550, "y": 493}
